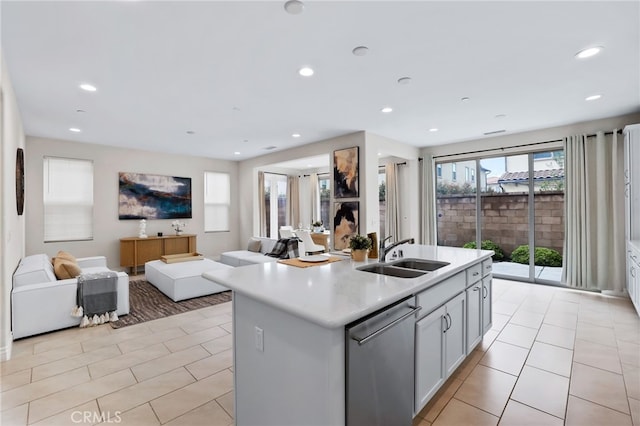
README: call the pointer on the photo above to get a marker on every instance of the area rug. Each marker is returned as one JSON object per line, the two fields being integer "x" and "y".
{"x": 147, "y": 303}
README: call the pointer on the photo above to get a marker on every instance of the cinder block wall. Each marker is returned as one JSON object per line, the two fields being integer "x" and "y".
{"x": 505, "y": 220}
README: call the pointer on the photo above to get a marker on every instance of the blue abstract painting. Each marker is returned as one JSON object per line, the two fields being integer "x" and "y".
{"x": 145, "y": 196}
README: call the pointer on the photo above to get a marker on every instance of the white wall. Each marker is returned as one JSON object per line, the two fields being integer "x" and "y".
{"x": 551, "y": 134}
{"x": 248, "y": 176}
{"x": 12, "y": 229}
{"x": 108, "y": 229}
{"x": 408, "y": 176}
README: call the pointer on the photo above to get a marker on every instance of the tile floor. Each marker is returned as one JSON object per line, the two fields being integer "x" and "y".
{"x": 553, "y": 357}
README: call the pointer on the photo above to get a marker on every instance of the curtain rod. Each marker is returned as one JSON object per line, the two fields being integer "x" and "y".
{"x": 514, "y": 146}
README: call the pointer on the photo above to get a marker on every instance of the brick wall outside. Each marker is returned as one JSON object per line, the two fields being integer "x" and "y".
{"x": 505, "y": 220}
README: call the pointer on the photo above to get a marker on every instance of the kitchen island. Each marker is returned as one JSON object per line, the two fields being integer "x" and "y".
{"x": 289, "y": 328}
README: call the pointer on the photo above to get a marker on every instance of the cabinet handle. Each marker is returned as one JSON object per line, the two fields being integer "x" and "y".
{"x": 446, "y": 322}
{"x": 365, "y": 339}
{"x": 633, "y": 272}
{"x": 475, "y": 274}
{"x": 488, "y": 267}
{"x": 476, "y": 288}
{"x": 484, "y": 292}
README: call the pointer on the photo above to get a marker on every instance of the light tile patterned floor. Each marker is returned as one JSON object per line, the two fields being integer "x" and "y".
{"x": 553, "y": 357}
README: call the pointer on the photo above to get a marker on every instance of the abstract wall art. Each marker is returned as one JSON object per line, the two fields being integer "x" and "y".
{"x": 345, "y": 223}
{"x": 146, "y": 196}
{"x": 345, "y": 173}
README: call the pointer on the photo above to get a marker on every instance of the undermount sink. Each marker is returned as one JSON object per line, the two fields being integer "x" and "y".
{"x": 420, "y": 264}
{"x": 384, "y": 269}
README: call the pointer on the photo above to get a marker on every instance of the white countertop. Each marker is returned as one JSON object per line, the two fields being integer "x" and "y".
{"x": 336, "y": 294}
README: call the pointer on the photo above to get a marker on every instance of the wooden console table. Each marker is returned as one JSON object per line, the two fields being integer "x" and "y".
{"x": 136, "y": 251}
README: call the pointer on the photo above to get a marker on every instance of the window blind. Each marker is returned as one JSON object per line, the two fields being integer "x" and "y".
{"x": 217, "y": 201}
{"x": 68, "y": 199}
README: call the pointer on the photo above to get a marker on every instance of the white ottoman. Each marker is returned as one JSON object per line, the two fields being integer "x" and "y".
{"x": 183, "y": 280}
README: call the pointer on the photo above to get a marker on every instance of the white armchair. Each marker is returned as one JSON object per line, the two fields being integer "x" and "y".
{"x": 308, "y": 244}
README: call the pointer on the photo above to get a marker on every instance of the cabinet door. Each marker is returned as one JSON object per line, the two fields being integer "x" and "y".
{"x": 455, "y": 349}
{"x": 475, "y": 325}
{"x": 430, "y": 372}
{"x": 487, "y": 309}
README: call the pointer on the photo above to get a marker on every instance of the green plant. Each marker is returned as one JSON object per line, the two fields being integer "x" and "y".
{"x": 317, "y": 223}
{"x": 498, "y": 253}
{"x": 360, "y": 242}
{"x": 542, "y": 256}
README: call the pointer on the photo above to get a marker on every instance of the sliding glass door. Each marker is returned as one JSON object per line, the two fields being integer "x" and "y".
{"x": 513, "y": 205}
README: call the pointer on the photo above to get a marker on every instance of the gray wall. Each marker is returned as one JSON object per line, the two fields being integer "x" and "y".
{"x": 108, "y": 229}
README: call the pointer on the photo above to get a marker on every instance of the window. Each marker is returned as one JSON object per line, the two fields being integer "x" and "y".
{"x": 217, "y": 201}
{"x": 453, "y": 171}
{"x": 542, "y": 155}
{"x": 68, "y": 199}
{"x": 473, "y": 175}
{"x": 467, "y": 174}
{"x": 275, "y": 199}
{"x": 324, "y": 189}
{"x": 439, "y": 170}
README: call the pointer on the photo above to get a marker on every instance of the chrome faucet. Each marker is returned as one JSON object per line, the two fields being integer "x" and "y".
{"x": 384, "y": 250}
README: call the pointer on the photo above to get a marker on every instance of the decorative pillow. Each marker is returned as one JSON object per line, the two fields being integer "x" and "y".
{"x": 254, "y": 245}
{"x": 65, "y": 255}
{"x": 65, "y": 269}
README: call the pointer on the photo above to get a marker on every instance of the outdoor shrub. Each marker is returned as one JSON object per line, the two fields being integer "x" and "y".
{"x": 498, "y": 254}
{"x": 542, "y": 256}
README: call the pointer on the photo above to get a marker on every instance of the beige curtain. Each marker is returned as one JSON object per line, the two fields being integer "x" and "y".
{"x": 314, "y": 189}
{"x": 293, "y": 201}
{"x": 392, "y": 218}
{"x": 261, "y": 207}
{"x": 427, "y": 201}
{"x": 594, "y": 205}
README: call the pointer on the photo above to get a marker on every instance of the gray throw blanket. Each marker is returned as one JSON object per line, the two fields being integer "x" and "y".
{"x": 98, "y": 293}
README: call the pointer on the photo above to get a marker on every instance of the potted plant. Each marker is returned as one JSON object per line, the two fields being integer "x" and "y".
{"x": 360, "y": 246}
{"x": 317, "y": 226}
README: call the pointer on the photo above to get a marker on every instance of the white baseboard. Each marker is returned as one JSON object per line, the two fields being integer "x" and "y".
{"x": 5, "y": 351}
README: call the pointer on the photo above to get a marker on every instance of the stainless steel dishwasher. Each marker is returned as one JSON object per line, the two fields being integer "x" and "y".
{"x": 380, "y": 367}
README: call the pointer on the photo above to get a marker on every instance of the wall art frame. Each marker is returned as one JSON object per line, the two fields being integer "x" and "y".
{"x": 345, "y": 223}
{"x": 149, "y": 196}
{"x": 346, "y": 173}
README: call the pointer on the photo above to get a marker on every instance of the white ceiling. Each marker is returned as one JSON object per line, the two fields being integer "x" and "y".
{"x": 228, "y": 70}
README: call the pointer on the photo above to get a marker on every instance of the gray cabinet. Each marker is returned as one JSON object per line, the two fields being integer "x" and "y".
{"x": 440, "y": 348}
{"x": 475, "y": 326}
{"x": 487, "y": 309}
{"x": 430, "y": 373}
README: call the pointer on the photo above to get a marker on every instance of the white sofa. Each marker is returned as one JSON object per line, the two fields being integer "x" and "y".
{"x": 246, "y": 257}
{"x": 42, "y": 303}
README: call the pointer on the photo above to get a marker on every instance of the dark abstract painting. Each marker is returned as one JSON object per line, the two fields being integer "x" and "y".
{"x": 345, "y": 173}
{"x": 144, "y": 196}
{"x": 345, "y": 223}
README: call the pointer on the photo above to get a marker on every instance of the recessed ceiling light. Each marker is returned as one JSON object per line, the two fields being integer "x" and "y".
{"x": 465, "y": 99}
{"x": 295, "y": 135}
{"x": 592, "y": 97}
{"x": 305, "y": 72}
{"x": 379, "y": 154}
{"x": 386, "y": 110}
{"x": 433, "y": 129}
{"x": 404, "y": 80}
{"x": 294, "y": 7}
{"x": 309, "y": 165}
{"x": 88, "y": 87}
{"x": 74, "y": 130}
{"x": 589, "y": 52}
{"x": 360, "y": 50}
{"x": 236, "y": 153}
